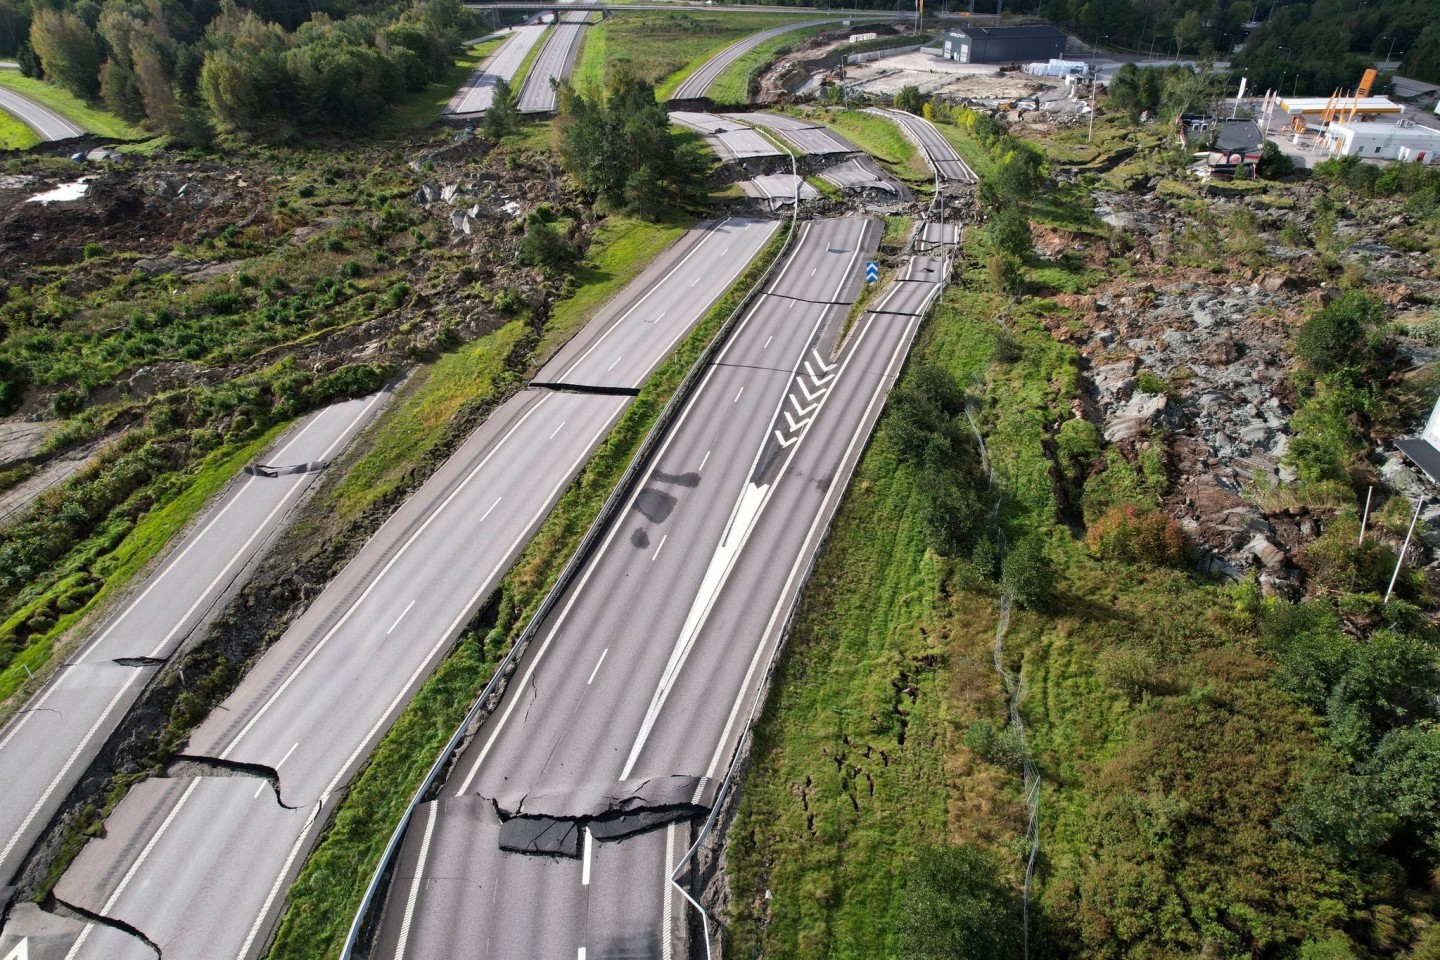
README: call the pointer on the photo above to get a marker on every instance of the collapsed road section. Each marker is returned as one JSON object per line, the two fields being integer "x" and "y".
{"x": 199, "y": 864}
{"x": 48, "y": 745}
{"x": 559, "y": 825}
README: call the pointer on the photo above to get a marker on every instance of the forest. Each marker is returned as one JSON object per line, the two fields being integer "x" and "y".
{"x": 188, "y": 68}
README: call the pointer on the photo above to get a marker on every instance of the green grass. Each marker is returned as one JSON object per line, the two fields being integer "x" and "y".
{"x": 848, "y": 776}
{"x": 328, "y": 891}
{"x": 733, "y": 85}
{"x": 971, "y": 150}
{"x": 523, "y": 71}
{"x": 418, "y": 110}
{"x": 149, "y": 537}
{"x": 622, "y": 247}
{"x": 881, "y": 139}
{"x": 663, "y": 47}
{"x": 71, "y": 107}
{"x": 418, "y": 418}
{"x": 15, "y": 135}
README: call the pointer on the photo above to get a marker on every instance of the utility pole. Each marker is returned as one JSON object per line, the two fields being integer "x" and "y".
{"x": 1400, "y": 561}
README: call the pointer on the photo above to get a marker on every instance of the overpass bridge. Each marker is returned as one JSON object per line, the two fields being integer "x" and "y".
{"x": 600, "y": 6}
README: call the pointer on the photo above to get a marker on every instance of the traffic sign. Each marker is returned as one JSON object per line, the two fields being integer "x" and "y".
{"x": 872, "y": 271}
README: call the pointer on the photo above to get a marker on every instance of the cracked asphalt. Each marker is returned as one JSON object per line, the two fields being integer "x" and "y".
{"x": 647, "y": 672}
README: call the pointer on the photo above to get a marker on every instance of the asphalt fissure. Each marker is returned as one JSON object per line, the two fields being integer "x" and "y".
{"x": 53, "y": 904}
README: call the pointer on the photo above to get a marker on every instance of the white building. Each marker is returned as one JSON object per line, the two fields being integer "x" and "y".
{"x": 1376, "y": 140}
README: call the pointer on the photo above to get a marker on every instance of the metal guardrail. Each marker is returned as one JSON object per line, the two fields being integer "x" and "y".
{"x": 359, "y": 927}
{"x": 732, "y": 772}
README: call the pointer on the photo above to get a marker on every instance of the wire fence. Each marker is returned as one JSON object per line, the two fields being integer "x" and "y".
{"x": 1015, "y": 694}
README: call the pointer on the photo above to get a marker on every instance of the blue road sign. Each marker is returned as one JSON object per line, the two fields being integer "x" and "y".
{"x": 872, "y": 271}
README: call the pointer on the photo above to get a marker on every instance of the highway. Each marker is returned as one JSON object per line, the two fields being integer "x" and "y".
{"x": 860, "y": 173}
{"x": 939, "y": 153}
{"x": 476, "y": 94}
{"x": 555, "y": 61}
{"x": 779, "y": 189}
{"x": 729, "y": 139}
{"x": 809, "y": 138}
{"x": 592, "y": 6}
{"x": 46, "y": 748}
{"x": 620, "y": 722}
{"x": 199, "y": 863}
{"x": 698, "y": 83}
{"x": 38, "y": 117}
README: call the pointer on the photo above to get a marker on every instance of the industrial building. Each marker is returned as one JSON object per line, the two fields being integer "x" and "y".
{"x": 1377, "y": 140}
{"x": 1004, "y": 44}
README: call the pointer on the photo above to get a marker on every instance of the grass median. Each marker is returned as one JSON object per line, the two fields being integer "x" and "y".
{"x": 329, "y": 889}
{"x": 882, "y": 139}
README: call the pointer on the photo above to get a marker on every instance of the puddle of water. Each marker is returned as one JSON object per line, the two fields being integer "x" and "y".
{"x": 62, "y": 193}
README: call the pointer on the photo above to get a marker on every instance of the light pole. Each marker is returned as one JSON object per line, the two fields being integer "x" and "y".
{"x": 1094, "y": 85}
{"x": 1391, "y": 53}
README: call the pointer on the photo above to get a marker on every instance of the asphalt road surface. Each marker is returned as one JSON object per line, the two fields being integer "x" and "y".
{"x": 729, "y": 139}
{"x": 859, "y": 173}
{"x": 809, "y": 138}
{"x": 620, "y": 722}
{"x": 555, "y": 61}
{"x": 698, "y": 83}
{"x": 44, "y": 121}
{"x": 939, "y": 153}
{"x": 199, "y": 864}
{"x": 476, "y": 95}
{"x": 46, "y": 748}
{"x": 779, "y": 189}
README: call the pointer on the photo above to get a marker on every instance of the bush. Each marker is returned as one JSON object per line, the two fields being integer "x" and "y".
{"x": 1028, "y": 574}
{"x": 1128, "y": 534}
{"x": 1338, "y": 337}
{"x": 1274, "y": 162}
{"x": 958, "y": 907}
{"x": 543, "y": 247}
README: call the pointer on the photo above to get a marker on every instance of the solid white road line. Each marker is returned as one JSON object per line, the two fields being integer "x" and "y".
{"x": 134, "y": 868}
{"x": 659, "y": 284}
{"x": 585, "y": 861}
{"x": 115, "y": 700}
{"x": 597, "y": 666}
{"x": 666, "y": 952}
{"x": 415, "y": 884}
{"x": 379, "y": 578}
{"x": 399, "y": 618}
{"x": 892, "y": 371}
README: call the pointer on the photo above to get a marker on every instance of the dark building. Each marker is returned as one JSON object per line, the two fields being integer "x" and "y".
{"x": 1005, "y": 44}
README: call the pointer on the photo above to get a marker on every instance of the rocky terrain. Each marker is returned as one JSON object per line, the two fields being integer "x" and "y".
{"x": 1197, "y": 359}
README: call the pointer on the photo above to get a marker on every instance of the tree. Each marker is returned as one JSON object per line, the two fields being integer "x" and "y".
{"x": 1009, "y": 231}
{"x": 543, "y": 247}
{"x": 502, "y": 117}
{"x": 910, "y": 99}
{"x": 14, "y": 26}
{"x": 957, "y": 907}
{"x": 68, "y": 51}
{"x": 1028, "y": 573}
{"x": 1190, "y": 32}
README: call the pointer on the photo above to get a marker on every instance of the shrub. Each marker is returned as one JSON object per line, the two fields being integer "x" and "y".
{"x": 957, "y": 906}
{"x": 1028, "y": 574}
{"x": 1338, "y": 337}
{"x": 1128, "y": 534}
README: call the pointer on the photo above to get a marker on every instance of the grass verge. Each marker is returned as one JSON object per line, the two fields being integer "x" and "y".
{"x": 15, "y": 135}
{"x": 733, "y": 85}
{"x": 71, "y": 107}
{"x": 328, "y": 891}
{"x": 622, "y": 247}
{"x": 149, "y": 537}
{"x": 523, "y": 71}
{"x": 881, "y": 139}
{"x": 417, "y": 110}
